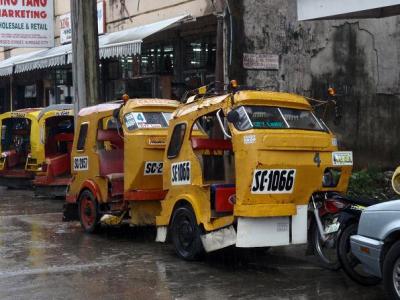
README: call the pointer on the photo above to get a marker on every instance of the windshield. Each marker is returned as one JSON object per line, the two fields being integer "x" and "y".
{"x": 266, "y": 117}
{"x": 140, "y": 120}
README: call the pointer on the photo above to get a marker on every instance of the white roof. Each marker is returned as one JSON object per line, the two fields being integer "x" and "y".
{"x": 6, "y": 66}
{"x": 115, "y": 44}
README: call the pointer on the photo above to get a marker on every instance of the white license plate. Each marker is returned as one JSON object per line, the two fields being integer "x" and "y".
{"x": 332, "y": 228}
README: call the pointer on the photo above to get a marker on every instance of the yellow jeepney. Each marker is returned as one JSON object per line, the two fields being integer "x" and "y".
{"x": 117, "y": 162}
{"x": 235, "y": 169}
{"x": 30, "y": 139}
{"x": 240, "y": 169}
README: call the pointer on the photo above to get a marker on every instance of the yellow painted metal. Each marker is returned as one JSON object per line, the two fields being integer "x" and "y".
{"x": 140, "y": 146}
{"x": 144, "y": 212}
{"x": 271, "y": 149}
{"x": 82, "y": 178}
{"x": 37, "y": 131}
{"x": 144, "y": 145}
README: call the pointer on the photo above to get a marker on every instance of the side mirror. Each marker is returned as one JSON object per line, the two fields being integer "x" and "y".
{"x": 233, "y": 116}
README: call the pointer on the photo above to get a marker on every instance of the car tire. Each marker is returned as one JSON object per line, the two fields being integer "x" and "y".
{"x": 350, "y": 264}
{"x": 185, "y": 234}
{"x": 89, "y": 215}
{"x": 391, "y": 272}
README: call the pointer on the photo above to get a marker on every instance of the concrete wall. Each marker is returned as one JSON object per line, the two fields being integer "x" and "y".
{"x": 360, "y": 58}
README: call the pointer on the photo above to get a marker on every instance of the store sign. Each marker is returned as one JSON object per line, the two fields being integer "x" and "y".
{"x": 260, "y": 61}
{"x": 26, "y": 23}
{"x": 66, "y": 24}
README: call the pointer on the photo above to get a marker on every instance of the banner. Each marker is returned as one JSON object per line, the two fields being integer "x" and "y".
{"x": 26, "y": 23}
{"x": 66, "y": 24}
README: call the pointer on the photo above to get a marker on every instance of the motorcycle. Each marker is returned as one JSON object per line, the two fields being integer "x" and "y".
{"x": 324, "y": 212}
{"x": 334, "y": 219}
{"x": 349, "y": 218}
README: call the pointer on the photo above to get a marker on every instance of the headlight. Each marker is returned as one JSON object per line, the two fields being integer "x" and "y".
{"x": 396, "y": 181}
{"x": 331, "y": 177}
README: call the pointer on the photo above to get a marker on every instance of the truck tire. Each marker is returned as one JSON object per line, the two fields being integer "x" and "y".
{"x": 350, "y": 263}
{"x": 391, "y": 272}
{"x": 185, "y": 234}
{"x": 89, "y": 215}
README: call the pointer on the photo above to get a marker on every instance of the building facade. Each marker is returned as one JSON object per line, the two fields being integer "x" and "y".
{"x": 164, "y": 64}
{"x": 359, "y": 58}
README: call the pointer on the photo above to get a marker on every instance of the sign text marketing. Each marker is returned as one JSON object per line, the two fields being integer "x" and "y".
{"x": 26, "y": 23}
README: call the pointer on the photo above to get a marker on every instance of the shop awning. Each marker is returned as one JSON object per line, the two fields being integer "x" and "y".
{"x": 128, "y": 41}
{"x": 7, "y": 65}
{"x": 115, "y": 44}
{"x": 56, "y": 56}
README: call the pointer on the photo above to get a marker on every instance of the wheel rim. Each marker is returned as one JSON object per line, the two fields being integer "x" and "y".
{"x": 396, "y": 277}
{"x": 186, "y": 232}
{"x": 88, "y": 214}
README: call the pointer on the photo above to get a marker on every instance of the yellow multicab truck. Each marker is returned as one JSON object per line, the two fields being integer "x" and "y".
{"x": 235, "y": 169}
{"x": 36, "y": 142}
{"x": 116, "y": 161}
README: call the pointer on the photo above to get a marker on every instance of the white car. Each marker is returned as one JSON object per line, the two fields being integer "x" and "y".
{"x": 377, "y": 244}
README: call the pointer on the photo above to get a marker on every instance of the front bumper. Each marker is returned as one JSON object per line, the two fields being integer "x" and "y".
{"x": 368, "y": 251}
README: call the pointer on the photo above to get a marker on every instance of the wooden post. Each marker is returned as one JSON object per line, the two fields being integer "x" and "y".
{"x": 85, "y": 53}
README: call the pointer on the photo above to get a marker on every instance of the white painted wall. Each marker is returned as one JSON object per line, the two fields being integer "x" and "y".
{"x": 317, "y": 9}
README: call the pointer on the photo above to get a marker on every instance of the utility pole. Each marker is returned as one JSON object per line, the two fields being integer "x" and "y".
{"x": 85, "y": 53}
{"x": 219, "y": 61}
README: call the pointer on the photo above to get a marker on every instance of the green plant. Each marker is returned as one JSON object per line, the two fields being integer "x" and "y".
{"x": 370, "y": 183}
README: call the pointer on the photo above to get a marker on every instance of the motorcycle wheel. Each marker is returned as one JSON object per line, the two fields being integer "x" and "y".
{"x": 325, "y": 251}
{"x": 350, "y": 263}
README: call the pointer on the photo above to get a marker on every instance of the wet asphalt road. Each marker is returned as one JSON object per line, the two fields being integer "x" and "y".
{"x": 44, "y": 258}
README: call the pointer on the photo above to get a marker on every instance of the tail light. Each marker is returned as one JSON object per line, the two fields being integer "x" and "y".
{"x": 333, "y": 206}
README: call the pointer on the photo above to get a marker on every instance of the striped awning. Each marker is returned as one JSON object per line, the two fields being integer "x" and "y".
{"x": 52, "y": 57}
{"x": 116, "y": 44}
{"x": 128, "y": 42}
{"x": 7, "y": 65}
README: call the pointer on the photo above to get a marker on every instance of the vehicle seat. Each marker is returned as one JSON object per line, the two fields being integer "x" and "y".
{"x": 210, "y": 153}
{"x": 211, "y": 145}
{"x": 112, "y": 136}
{"x": 12, "y": 158}
{"x": 111, "y": 162}
{"x": 59, "y": 164}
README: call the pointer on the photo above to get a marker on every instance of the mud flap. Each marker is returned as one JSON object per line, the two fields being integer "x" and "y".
{"x": 161, "y": 234}
{"x": 263, "y": 232}
{"x": 219, "y": 239}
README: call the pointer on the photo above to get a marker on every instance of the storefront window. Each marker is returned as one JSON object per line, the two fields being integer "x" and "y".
{"x": 200, "y": 53}
{"x": 199, "y": 61}
{"x": 157, "y": 59}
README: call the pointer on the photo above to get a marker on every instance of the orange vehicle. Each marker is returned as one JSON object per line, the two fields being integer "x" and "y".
{"x": 117, "y": 161}
{"x": 33, "y": 141}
